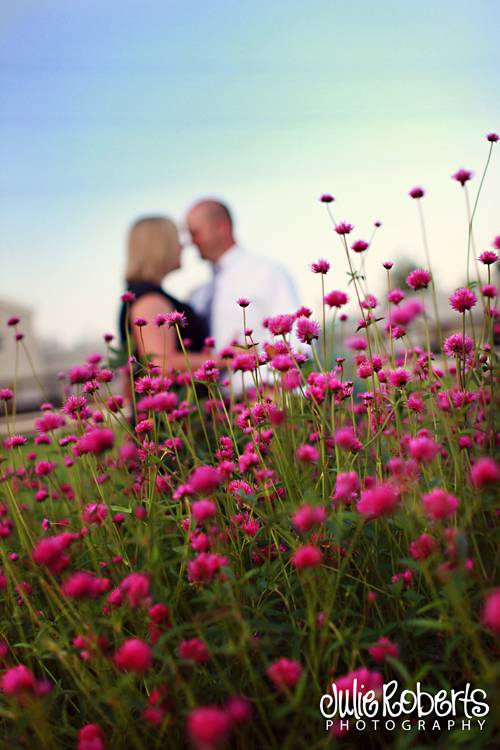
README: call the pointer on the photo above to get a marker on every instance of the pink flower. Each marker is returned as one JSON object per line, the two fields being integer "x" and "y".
{"x": 463, "y": 299}
{"x": 439, "y": 504}
{"x": 135, "y": 587}
{"x": 203, "y": 509}
{"x": 320, "y": 266}
{"x": 50, "y": 551}
{"x": 307, "y": 453}
{"x": 19, "y": 681}
{"x": 488, "y": 257}
{"x": 336, "y": 298}
{"x": 134, "y": 656}
{"x": 416, "y": 192}
{"x": 492, "y": 137}
{"x": 359, "y": 246}
{"x": 346, "y": 487}
{"x": 82, "y": 585}
{"x": 49, "y": 422}
{"x": 491, "y": 612}
{"x": 458, "y": 345}
{"x": 194, "y": 650}
{"x": 423, "y": 449}
{"x": 239, "y": 709}
{"x": 91, "y": 737}
{"x": 204, "y": 479}
{"x": 327, "y": 198}
{"x": 485, "y": 471}
{"x": 423, "y": 547}
{"x": 284, "y": 673}
{"x": 345, "y": 438}
{"x": 13, "y": 321}
{"x": 6, "y": 394}
{"x": 399, "y": 377}
{"x": 383, "y": 648}
{"x": 243, "y": 302}
{"x": 365, "y": 680}
{"x": 208, "y": 727}
{"x": 280, "y": 325}
{"x": 128, "y": 297}
{"x": 462, "y": 176}
{"x": 395, "y": 296}
{"x": 382, "y": 500}
{"x": 205, "y": 566}
{"x": 418, "y": 279}
{"x": 307, "y": 556}
{"x": 95, "y": 513}
{"x": 95, "y": 441}
{"x": 308, "y": 516}
{"x": 344, "y": 228}
{"x": 307, "y": 330}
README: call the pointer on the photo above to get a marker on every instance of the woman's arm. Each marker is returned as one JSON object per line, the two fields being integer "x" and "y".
{"x": 160, "y": 343}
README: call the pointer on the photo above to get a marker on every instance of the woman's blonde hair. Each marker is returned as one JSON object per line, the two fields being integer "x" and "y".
{"x": 151, "y": 242}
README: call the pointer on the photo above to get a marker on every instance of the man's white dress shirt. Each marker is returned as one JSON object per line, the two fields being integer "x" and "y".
{"x": 239, "y": 273}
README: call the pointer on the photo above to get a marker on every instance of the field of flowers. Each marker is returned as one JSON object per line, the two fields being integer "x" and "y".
{"x": 202, "y": 575}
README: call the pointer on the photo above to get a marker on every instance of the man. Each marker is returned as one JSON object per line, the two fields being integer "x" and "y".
{"x": 236, "y": 274}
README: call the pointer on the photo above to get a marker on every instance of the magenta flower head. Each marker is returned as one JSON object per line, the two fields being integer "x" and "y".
{"x": 418, "y": 279}
{"x": 496, "y": 242}
{"x": 13, "y": 321}
{"x": 381, "y": 500}
{"x": 91, "y": 737}
{"x": 344, "y": 228}
{"x": 134, "y": 656}
{"x": 176, "y": 318}
{"x": 457, "y": 345}
{"x": 336, "y": 298}
{"x": 307, "y": 330}
{"x": 462, "y": 176}
{"x": 463, "y": 299}
{"x": 204, "y": 480}
{"x": 284, "y": 673}
{"x": 128, "y": 297}
{"x": 307, "y": 556}
{"x": 439, "y": 504}
{"x": 490, "y": 615}
{"x": 108, "y": 337}
{"x": 359, "y": 246}
{"x": 387, "y": 264}
{"x": 492, "y": 137}
{"x": 320, "y": 266}
{"x": 327, "y": 198}
{"x": 242, "y": 301}
{"x": 489, "y": 256}
{"x": 208, "y": 727}
{"x": 416, "y": 192}
{"x": 377, "y": 224}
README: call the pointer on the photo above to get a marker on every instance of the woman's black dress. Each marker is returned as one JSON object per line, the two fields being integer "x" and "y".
{"x": 196, "y": 330}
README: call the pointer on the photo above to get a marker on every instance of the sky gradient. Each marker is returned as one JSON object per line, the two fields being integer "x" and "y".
{"x": 110, "y": 109}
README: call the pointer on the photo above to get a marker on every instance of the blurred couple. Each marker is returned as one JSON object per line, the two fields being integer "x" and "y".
{"x": 155, "y": 250}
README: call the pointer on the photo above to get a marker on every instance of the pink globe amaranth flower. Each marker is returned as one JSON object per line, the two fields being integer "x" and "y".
{"x": 280, "y": 325}
{"x": 382, "y": 649}
{"x": 307, "y": 556}
{"x": 399, "y": 377}
{"x": 204, "y": 479}
{"x": 490, "y": 616}
{"x": 492, "y": 137}
{"x": 307, "y": 330}
{"x": 50, "y": 551}
{"x": 91, "y": 737}
{"x": 370, "y": 302}
{"x": 82, "y": 585}
{"x": 175, "y": 318}
{"x": 387, "y": 264}
{"x": 418, "y": 279}
{"x": 320, "y": 266}
{"x": 6, "y": 394}
{"x": 365, "y": 680}
{"x": 462, "y": 176}
{"x": 485, "y": 471}
{"x": 208, "y": 727}
{"x": 20, "y": 681}
{"x": 344, "y": 228}
{"x": 284, "y": 673}
{"x": 360, "y": 246}
{"x": 395, "y": 296}
{"x": 95, "y": 441}
{"x": 416, "y": 403}
{"x": 423, "y": 449}
{"x": 458, "y": 345}
{"x": 136, "y": 589}
{"x": 463, "y": 299}
{"x": 327, "y": 198}
{"x": 346, "y": 487}
{"x": 489, "y": 291}
{"x": 336, "y": 298}
{"x": 488, "y": 257}
{"x": 13, "y": 321}
{"x": 308, "y": 516}
{"x": 203, "y": 509}
{"x": 134, "y": 655}
{"x": 424, "y": 546}
{"x": 194, "y": 650}
{"x": 95, "y": 513}
{"x": 345, "y": 438}
{"x": 416, "y": 192}
{"x": 128, "y": 297}
{"x": 239, "y": 709}
{"x": 439, "y": 504}
{"x": 243, "y": 302}
{"x": 49, "y": 421}
{"x": 205, "y": 566}
{"x": 381, "y": 500}
{"x": 307, "y": 454}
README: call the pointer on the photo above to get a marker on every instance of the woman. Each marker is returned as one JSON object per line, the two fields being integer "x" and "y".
{"x": 154, "y": 251}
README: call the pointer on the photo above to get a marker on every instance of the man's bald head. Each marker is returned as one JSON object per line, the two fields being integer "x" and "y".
{"x": 211, "y": 227}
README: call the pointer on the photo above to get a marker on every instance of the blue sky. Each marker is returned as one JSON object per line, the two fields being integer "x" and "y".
{"x": 111, "y": 109}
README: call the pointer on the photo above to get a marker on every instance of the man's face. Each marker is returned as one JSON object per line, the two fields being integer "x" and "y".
{"x": 204, "y": 232}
